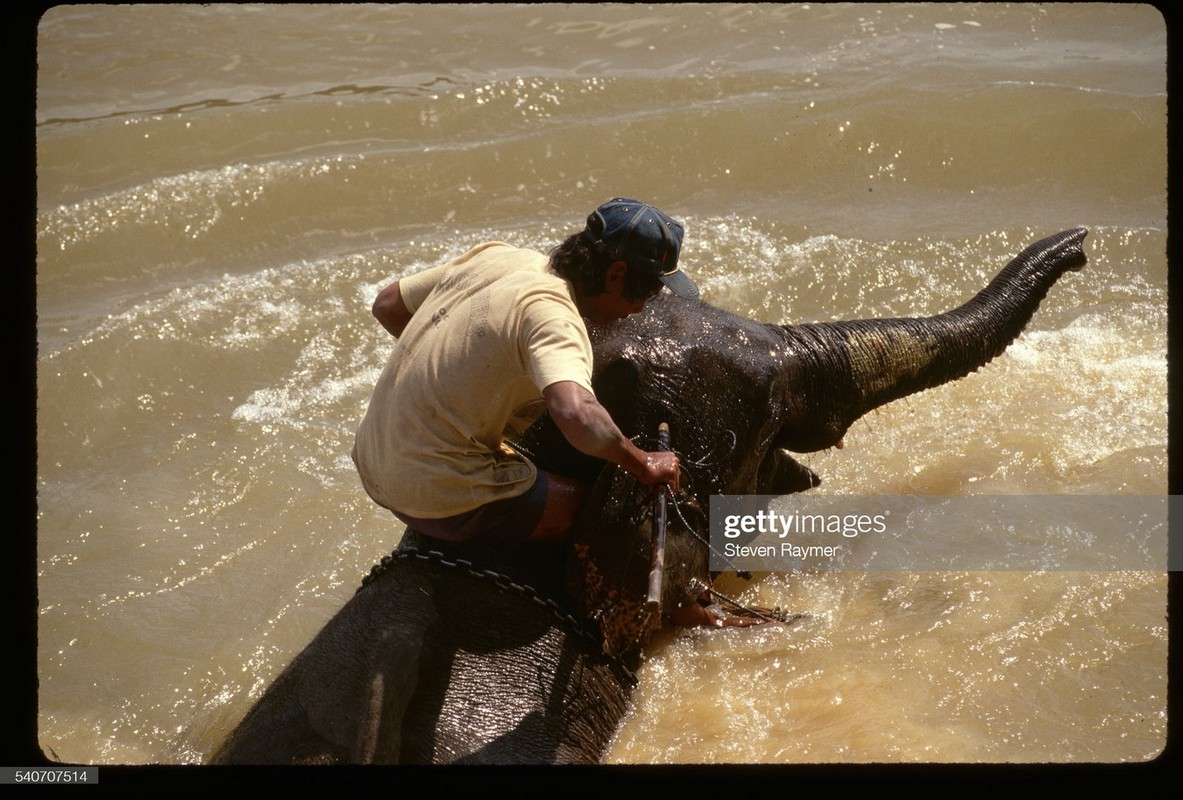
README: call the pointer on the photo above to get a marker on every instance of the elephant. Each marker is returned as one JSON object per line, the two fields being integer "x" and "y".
{"x": 453, "y": 653}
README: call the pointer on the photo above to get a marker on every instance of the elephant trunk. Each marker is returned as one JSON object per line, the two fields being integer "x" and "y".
{"x": 857, "y": 366}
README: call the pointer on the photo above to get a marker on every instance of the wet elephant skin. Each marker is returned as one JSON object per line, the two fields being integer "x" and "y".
{"x": 429, "y": 663}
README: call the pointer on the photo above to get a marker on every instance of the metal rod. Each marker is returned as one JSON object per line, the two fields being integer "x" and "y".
{"x": 659, "y": 522}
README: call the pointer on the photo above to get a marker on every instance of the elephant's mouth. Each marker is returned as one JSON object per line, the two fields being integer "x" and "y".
{"x": 780, "y": 473}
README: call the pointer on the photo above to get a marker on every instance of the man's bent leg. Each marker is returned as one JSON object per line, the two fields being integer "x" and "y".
{"x": 564, "y": 498}
{"x": 545, "y": 512}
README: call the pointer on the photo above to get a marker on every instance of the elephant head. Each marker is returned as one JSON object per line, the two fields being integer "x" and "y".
{"x": 739, "y": 396}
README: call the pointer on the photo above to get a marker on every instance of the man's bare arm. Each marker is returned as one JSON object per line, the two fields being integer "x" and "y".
{"x": 589, "y": 428}
{"x": 390, "y": 310}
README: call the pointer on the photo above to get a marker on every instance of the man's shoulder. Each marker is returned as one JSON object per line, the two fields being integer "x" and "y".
{"x": 502, "y": 253}
{"x": 494, "y": 262}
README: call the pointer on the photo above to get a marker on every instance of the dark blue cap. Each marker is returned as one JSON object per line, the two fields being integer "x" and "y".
{"x": 644, "y": 238}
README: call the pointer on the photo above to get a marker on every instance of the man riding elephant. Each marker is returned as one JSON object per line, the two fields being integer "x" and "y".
{"x": 485, "y": 344}
{"x": 460, "y": 652}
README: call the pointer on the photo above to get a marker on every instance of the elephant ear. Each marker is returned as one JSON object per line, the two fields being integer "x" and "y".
{"x": 544, "y": 444}
{"x": 617, "y": 382}
{"x": 608, "y": 562}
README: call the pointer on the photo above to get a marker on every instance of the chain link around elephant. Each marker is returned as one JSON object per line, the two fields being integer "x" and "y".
{"x": 501, "y": 581}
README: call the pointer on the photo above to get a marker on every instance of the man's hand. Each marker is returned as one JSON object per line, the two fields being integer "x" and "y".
{"x": 661, "y": 469}
{"x": 589, "y": 428}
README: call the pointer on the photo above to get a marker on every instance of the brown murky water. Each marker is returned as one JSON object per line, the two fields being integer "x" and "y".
{"x": 223, "y": 189}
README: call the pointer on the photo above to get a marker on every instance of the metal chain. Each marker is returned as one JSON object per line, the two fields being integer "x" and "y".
{"x": 504, "y": 582}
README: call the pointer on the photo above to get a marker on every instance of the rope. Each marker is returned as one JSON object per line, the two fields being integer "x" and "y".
{"x": 775, "y": 614}
{"x": 768, "y": 614}
{"x": 720, "y": 450}
{"x": 706, "y": 541}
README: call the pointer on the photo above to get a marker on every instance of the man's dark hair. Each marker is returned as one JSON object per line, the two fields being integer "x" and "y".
{"x": 586, "y": 266}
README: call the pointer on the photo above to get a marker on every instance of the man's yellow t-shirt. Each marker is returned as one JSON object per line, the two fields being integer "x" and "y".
{"x": 489, "y": 331}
